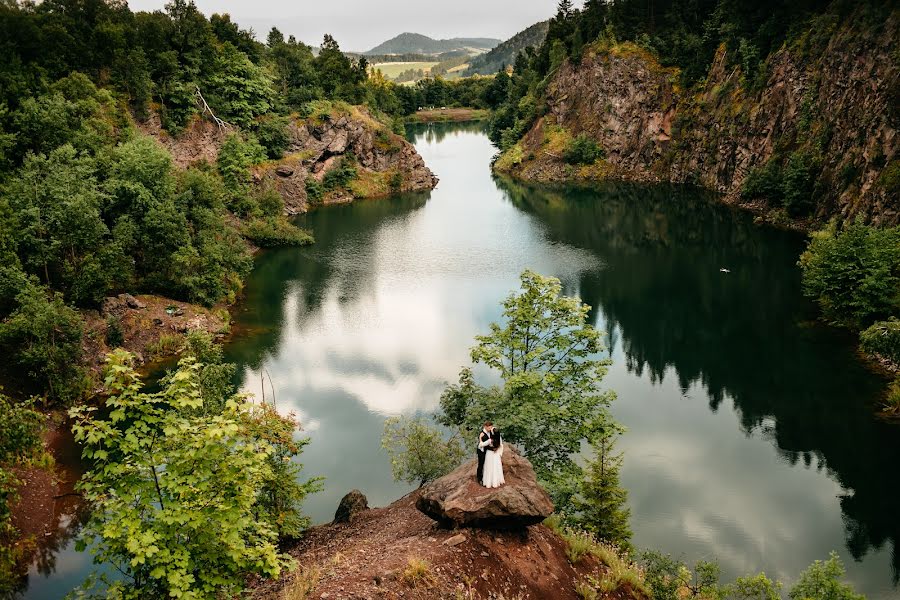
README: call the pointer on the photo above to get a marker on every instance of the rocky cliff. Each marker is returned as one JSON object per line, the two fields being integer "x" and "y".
{"x": 385, "y": 162}
{"x": 820, "y": 122}
{"x": 451, "y": 539}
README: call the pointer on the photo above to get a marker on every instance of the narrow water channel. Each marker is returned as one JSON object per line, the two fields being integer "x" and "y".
{"x": 751, "y": 436}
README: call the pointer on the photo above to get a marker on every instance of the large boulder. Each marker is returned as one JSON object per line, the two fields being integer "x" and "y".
{"x": 457, "y": 499}
{"x": 351, "y": 505}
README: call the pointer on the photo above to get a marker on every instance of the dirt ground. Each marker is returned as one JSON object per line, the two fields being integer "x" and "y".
{"x": 368, "y": 559}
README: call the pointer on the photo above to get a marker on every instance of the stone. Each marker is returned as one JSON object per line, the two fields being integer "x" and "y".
{"x": 111, "y": 306}
{"x": 284, "y": 171}
{"x": 132, "y": 302}
{"x": 455, "y": 540}
{"x": 456, "y": 499}
{"x": 350, "y": 506}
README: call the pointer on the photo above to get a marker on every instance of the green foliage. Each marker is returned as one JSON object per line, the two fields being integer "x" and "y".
{"x": 236, "y": 156}
{"x": 339, "y": 176}
{"x": 314, "y": 190}
{"x": 800, "y": 174}
{"x": 418, "y": 451}
{"x": 550, "y": 403}
{"x": 883, "y": 338}
{"x": 177, "y": 492}
{"x": 240, "y": 90}
{"x": 42, "y": 339}
{"x": 853, "y": 274}
{"x": 822, "y": 581}
{"x": 20, "y": 444}
{"x": 764, "y": 182}
{"x": 114, "y": 335}
{"x": 271, "y": 232}
{"x": 601, "y": 502}
{"x": 582, "y": 150}
{"x": 272, "y": 133}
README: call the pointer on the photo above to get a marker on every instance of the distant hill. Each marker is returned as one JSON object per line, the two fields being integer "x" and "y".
{"x": 416, "y": 43}
{"x": 505, "y": 53}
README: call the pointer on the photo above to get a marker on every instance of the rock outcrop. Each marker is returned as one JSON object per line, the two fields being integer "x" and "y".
{"x": 385, "y": 162}
{"x": 352, "y": 504}
{"x": 456, "y": 499}
{"x": 371, "y": 556}
{"x": 830, "y": 97}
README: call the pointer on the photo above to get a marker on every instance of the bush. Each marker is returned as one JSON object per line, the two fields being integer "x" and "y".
{"x": 883, "y": 338}
{"x": 42, "y": 338}
{"x": 418, "y": 451}
{"x": 854, "y": 274}
{"x": 764, "y": 182}
{"x": 114, "y": 335}
{"x": 272, "y": 132}
{"x": 341, "y": 175}
{"x": 798, "y": 184}
{"x": 185, "y": 513}
{"x": 275, "y": 231}
{"x": 314, "y": 191}
{"x": 582, "y": 151}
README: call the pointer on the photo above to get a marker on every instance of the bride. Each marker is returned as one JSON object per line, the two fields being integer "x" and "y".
{"x": 493, "y": 464}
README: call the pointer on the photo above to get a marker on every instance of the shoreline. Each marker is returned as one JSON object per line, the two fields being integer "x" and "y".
{"x": 452, "y": 115}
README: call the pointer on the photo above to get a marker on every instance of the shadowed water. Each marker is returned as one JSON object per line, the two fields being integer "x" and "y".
{"x": 751, "y": 436}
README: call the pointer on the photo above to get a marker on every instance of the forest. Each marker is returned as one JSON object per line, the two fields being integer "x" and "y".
{"x": 92, "y": 207}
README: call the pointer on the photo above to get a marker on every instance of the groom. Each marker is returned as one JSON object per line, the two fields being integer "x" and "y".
{"x": 485, "y": 440}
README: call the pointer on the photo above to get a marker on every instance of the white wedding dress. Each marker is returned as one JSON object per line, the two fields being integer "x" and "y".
{"x": 493, "y": 468}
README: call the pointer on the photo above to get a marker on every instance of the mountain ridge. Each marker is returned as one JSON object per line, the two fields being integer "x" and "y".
{"x": 504, "y": 54}
{"x": 410, "y": 42}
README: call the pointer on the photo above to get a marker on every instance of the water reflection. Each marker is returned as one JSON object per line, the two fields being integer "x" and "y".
{"x": 750, "y": 434}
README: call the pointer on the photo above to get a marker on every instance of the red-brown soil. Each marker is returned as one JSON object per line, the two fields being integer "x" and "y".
{"x": 367, "y": 559}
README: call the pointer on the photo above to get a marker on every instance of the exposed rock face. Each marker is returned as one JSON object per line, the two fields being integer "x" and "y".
{"x": 457, "y": 499}
{"x": 350, "y": 506}
{"x": 386, "y": 162}
{"x": 837, "y": 101}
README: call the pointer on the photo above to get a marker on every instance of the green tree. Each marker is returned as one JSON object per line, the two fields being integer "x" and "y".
{"x": 548, "y": 357}
{"x": 240, "y": 91}
{"x": 176, "y": 492}
{"x": 582, "y": 150}
{"x": 853, "y": 274}
{"x": 822, "y": 581}
{"x": 418, "y": 451}
{"x": 601, "y": 504}
{"x": 42, "y": 338}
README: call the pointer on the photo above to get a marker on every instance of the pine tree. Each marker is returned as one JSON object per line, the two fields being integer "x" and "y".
{"x": 601, "y": 503}
{"x": 564, "y": 9}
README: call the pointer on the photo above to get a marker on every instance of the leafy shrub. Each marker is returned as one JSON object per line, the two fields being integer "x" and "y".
{"x": 799, "y": 177}
{"x": 892, "y": 402}
{"x": 764, "y": 182}
{"x": 271, "y": 232}
{"x": 883, "y": 338}
{"x": 42, "y": 340}
{"x": 181, "y": 514}
{"x": 114, "y": 335}
{"x": 272, "y": 132}
{"x": 418, "y": 451}
{"x": 582, "y": 151}
{"x": 236, "y": 156}
{"x": 270, "y": 202}
{"x": 314, "y": 191}
{"x": 19, "y": 444}
{"x": 341, "y": 175}
{"x": 890, "y": 178}
{"x": 854, "y": 274}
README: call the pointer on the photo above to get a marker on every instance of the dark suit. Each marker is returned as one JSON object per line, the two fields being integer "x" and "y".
{"x": 482, "y": 437}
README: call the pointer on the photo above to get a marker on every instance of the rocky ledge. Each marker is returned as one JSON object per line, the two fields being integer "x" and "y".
{"x": 457, "y": 499}
{"x": 398, "y": 552}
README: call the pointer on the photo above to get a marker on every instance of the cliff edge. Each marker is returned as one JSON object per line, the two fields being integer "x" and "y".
{"x": 823, "y": 124}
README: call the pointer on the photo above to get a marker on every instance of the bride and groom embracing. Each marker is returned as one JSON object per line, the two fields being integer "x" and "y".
{"x": 490, "y": 454}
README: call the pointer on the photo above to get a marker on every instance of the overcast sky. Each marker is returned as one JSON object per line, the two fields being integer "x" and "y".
{"x": 362, "y": 24}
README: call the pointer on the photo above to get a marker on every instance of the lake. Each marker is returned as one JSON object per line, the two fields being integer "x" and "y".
{"x": 752, "y": 436}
